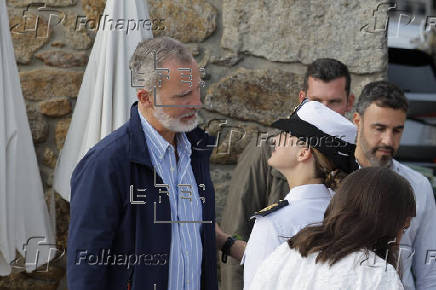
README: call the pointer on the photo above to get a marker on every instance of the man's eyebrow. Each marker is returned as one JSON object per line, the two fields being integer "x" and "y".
{"x": 320, "y": 99}
{"x": 384, "y": 126}
{"x": 185, "y": 93}
{"x": 182, "y": 94}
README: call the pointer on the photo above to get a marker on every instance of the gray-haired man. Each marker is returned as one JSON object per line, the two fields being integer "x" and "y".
{"x": 142, "y": 201}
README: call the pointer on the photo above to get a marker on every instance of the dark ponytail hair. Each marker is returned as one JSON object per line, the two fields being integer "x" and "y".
{"x": 367, "y": 212}
{"x": 327, "y": 171}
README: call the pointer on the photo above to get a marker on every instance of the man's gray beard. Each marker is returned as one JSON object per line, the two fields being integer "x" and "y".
{"x": 174, "y": 124}
{"x": 384, "y": 162}
{"x": 370, "y": 155}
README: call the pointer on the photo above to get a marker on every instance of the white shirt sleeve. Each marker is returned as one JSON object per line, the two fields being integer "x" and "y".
{"x": 264, "y": 239}
{"x": 424, "y": 259}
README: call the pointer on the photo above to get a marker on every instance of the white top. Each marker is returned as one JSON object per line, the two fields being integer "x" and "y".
{"x": 285, "y": 268}
{"x": 418, "y": 244}
{"x": 307, "y": 204}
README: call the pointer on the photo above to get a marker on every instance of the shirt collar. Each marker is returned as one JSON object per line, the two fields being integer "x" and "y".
{"x": 183, "y": 144}
{"x": 308, "y": 191}
{"x": 394, "y": 165}
{"x": 154, "y": 140}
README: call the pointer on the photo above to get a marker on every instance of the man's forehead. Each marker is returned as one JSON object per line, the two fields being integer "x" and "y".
{"x": 322, "y": 90}
{"x": 381, "y": 115}
{"x": 176, "y": 66}
{"x": 335, "y": 81}
{"x": 180, "y": 71}
{"x": 376, "y": 109}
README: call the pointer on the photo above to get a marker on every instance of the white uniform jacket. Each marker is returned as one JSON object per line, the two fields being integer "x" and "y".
{"x": 307, "y": 204}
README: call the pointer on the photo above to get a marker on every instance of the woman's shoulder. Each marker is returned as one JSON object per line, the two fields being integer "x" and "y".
{"x": 365, "y": 268}
{"x": 285, "y": 257}
{"x": 281, "y": 254}
{"x": 360, "y": 269}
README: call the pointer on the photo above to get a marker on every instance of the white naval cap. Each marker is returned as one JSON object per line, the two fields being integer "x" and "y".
{"x": 334, "y": 135}
{"x": 328, "y": 121}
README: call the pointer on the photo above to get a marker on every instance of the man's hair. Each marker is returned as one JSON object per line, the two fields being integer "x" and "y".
{"x": 384, "y": 94}
{"x": 143, "y": 60}
{"x": 327, "y": 69}
{"x": 368, "y": 211}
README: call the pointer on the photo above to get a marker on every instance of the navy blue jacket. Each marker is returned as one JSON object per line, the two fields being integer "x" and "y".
{"x": 109, "y": 236}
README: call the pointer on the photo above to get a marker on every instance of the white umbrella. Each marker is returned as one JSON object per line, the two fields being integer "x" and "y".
{"x": 24, "y": 217}
{"x": 104, "y": 99}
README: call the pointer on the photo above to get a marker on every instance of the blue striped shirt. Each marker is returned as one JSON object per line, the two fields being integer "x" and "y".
{"x": 186, "y": 247}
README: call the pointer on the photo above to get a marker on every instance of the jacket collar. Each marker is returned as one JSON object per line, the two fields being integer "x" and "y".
{"x": 309, "y": 191}
{"x": 138, "y": 152}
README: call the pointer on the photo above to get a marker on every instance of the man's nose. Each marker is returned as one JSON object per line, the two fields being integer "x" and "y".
{"x": 388, "y": 138}
{"x": 195, "y": 101}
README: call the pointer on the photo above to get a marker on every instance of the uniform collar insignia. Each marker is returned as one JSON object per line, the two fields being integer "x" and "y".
{"x": 271, "y": 208}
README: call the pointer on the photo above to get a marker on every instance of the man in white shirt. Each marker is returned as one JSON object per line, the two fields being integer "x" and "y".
{"x": 380, "y": 117}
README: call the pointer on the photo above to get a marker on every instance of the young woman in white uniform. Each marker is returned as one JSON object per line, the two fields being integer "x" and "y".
{"x": 355, "y": 246}
{"x": 314, "y": 157}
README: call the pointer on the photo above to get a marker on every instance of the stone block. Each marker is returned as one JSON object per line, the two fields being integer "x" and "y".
{"x": 55, "y": 107}
{"x": 28, "y": 35}
{"x": 42, "y": 84}
{"x": 61, "y": 132}
{"x": 38, "y": 125}
{"x": 64, "y": 59}
{"x": 232, "y": 136}
{"x": 261, "y": 96}
{"x": 76, "y": 36}
{"x": 304, "y": 30}
{"x": 49, "y": 158}
{"x": 185, "y": 20}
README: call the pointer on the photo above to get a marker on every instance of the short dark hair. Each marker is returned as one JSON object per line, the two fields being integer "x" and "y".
{"x": 327, "y": 69}
{"x": 367, "y": 212}
{"x": 384, "y": 94}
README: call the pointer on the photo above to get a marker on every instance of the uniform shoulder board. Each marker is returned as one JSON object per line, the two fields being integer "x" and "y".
{"x": 271, "y": 208}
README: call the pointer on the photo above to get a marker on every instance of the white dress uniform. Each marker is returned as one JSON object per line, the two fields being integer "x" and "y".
{"x": 285, "y": 268}
{"x": 418, "y": 244}
{"x": 305, "y": 205}
{"x": 335, "y": 138}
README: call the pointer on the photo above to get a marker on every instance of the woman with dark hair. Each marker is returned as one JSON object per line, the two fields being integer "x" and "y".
{"x": 314, "y": 152}
{"x": 356, "y": 245}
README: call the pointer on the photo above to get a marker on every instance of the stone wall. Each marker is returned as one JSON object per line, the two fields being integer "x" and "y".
{"x": 255, "y": 52}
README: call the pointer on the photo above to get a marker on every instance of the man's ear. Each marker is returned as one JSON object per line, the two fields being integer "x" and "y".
{"x": 301, "y": 95}
{"x": 144, "y": 97}
{"x": 356, "y": 119}
{"x": 350, "y": 103}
